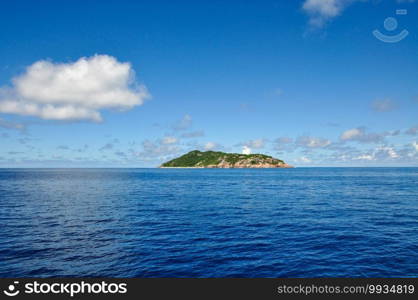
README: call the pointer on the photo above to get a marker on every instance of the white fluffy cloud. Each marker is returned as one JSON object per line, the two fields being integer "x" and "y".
{"x": 321, "y": 11}
{"x": 73, "y": 91}
{"x": 246, "y": 150}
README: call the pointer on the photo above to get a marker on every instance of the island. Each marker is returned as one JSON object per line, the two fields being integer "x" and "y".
{"x": 217, "y": 159}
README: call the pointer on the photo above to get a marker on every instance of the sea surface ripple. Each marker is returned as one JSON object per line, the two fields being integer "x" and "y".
{"x": 302, "y": 222}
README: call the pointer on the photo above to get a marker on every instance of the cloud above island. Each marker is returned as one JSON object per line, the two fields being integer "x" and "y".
{"x": 246, "y": 150}
{"x": 254, "y": 144}
{"x": 73, "y": 91}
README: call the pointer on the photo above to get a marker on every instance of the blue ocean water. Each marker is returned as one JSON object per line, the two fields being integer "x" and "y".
{"x": 303, "y": 222}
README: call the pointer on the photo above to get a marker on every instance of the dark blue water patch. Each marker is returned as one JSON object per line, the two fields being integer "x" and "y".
{"x": 303, "y": 222}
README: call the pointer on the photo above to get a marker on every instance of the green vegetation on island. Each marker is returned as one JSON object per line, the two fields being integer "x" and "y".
{"x": 217, "y": 159}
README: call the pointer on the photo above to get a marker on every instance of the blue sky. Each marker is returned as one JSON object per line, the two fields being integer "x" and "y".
{"x": 124, "y": 84}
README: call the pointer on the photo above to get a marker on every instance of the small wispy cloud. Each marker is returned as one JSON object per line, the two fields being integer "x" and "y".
{"x": 108, "y": 146}
{"x": 283, "y": 144}
{"x": 322, "y": 11}
{"x": 304, "y": 159}
{"x": 121, "y": 154}
{"x": 360, "y": 134}
{"x": 193, "y": 134}
{"x": 383, "y": 105}
{"x": 14, "y": 152}
{"x": 63, "y": 147}
{"x": 278, "y": 92}
{"x": 156, "y": 150}
{"x": 332, "y": 124}
{"x": 312, "y": 142}
{"x": 254, "y": 144}
{"x": 412, "y": 131}
{"x": 184, "y": 123}
{"x": 82, "y": 149}
{"x": 167, "y": 140}
{"x": 11, "y": 125}
{"x": 210, "y": 146}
